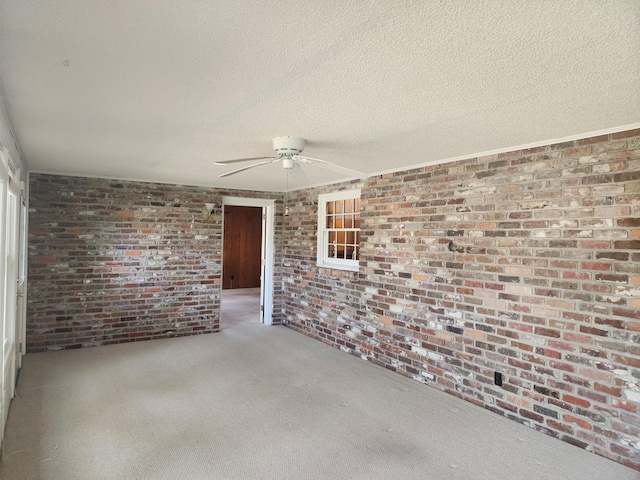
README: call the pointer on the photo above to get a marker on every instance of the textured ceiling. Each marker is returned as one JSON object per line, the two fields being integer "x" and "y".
{"x": 159, "y": 90}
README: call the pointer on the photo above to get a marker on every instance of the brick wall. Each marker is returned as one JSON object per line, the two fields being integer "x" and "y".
{"x": 542, "y": 285}
{"x": 113, "y": 261}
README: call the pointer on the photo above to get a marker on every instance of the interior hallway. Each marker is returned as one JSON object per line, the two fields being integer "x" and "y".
{"x": 239, "y": 306}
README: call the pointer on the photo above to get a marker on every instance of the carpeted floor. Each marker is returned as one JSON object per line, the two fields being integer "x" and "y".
{"x": 260, "y": 402}
{"x": 239, "y": 306}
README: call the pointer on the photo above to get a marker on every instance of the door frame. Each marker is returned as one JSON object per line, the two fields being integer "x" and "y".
{"x": 4, "y": 224}
{"x": 11, "y": 286}
{"x": 267, "y": 261}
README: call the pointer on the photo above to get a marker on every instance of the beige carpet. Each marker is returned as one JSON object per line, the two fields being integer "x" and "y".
{"x": 239, "y": 306}
{"x": 260, "y": 402}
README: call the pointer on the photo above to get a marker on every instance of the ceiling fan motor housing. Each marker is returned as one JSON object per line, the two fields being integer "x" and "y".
{"x": 288, "y": 145}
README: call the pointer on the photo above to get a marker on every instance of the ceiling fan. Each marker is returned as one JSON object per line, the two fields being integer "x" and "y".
{"x": 288, "y": 150}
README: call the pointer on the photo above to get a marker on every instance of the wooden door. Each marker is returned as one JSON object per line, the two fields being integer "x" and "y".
{"x": 242, "y": 247}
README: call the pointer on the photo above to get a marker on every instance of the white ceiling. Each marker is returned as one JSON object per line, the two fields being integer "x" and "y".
{"x": 161, "y": 89}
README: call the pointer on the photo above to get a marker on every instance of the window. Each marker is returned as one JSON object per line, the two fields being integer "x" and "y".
{"x": 339, "y": 230}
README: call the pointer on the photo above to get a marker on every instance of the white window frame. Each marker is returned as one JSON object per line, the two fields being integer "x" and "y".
{"x": 323, "y": 260}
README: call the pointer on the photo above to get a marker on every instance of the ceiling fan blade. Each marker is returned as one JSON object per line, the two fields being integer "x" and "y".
{"x": 298, "y": 176}
{"x": 330, "y": 166}
{"x": 238, "y": 170}
{"x": 237, "y": 160}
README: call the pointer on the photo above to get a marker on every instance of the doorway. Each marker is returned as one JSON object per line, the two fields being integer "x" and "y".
{"x": 247, "y": 260}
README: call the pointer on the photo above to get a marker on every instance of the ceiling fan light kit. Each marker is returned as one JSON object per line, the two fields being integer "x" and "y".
{"x": 288, "y": 150}
{"x": 288, "y": 163}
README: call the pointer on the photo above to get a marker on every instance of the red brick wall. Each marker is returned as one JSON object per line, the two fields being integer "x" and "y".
{"x": 543, "y": 286}
{"x": 114, "y": 261}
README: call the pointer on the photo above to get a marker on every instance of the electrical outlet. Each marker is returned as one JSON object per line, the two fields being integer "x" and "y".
{"x": 497, "y": 378}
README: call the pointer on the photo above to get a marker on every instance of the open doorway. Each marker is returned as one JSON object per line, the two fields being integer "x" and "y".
{"x": 247, "y": 262}
{"x": 241, "y": 266}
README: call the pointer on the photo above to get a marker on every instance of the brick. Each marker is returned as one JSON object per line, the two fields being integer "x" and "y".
{"x": 629, "y": 222}
{"x": 596, "y": 397}
{"x": 581, "y": 422}
{"x": 560, "y": 426}
{"x": 546, "y": 391}
{"x": 592, "y": 140}
{"x": 625, "y": 360}
{"x": 594, "y": 331}
{"x": 520, "y": 402}
{"x": 627, "y": 244}
{"x": 576, "y": 401}
{"x": 623, "y": 312}
{"x": 575, "y": 442}
{"x": 595, "y": 375}
{"x": 545, "y": 411}
{"x": 625, "y": 134}
{"x": 547, "y": 332}
{"x": 600, "y": 266}
{"x": 562, "y": 366}
{"x": 625, "y": 405}
{"x": 531, "y": 415}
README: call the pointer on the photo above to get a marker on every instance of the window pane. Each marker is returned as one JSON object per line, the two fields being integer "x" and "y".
{"x": 348, "y": 221}
{"x": 348, "y": 206}
{"x": 330, "y": 245}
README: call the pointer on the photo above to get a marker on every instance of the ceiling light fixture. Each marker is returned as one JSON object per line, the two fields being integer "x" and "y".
{"x": 208, "y": 208}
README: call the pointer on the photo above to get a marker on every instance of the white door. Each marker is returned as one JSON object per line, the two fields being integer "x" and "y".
{"x": 11, "y": 278}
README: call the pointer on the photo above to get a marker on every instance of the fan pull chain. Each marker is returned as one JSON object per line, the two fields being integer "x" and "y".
{"x": 286, "y": 193}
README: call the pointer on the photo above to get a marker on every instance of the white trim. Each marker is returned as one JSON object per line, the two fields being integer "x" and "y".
{"x": 147, "y": 180}
{"x": 267, "y": 280}
{"x": 540, "y": 143}
{"x": 321, "y": 259}
{"x": 525, "y": 146}
{"x": 247, "y": 202}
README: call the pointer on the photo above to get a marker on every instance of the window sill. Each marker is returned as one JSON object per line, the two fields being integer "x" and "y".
{"x": 340, "y": 266}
